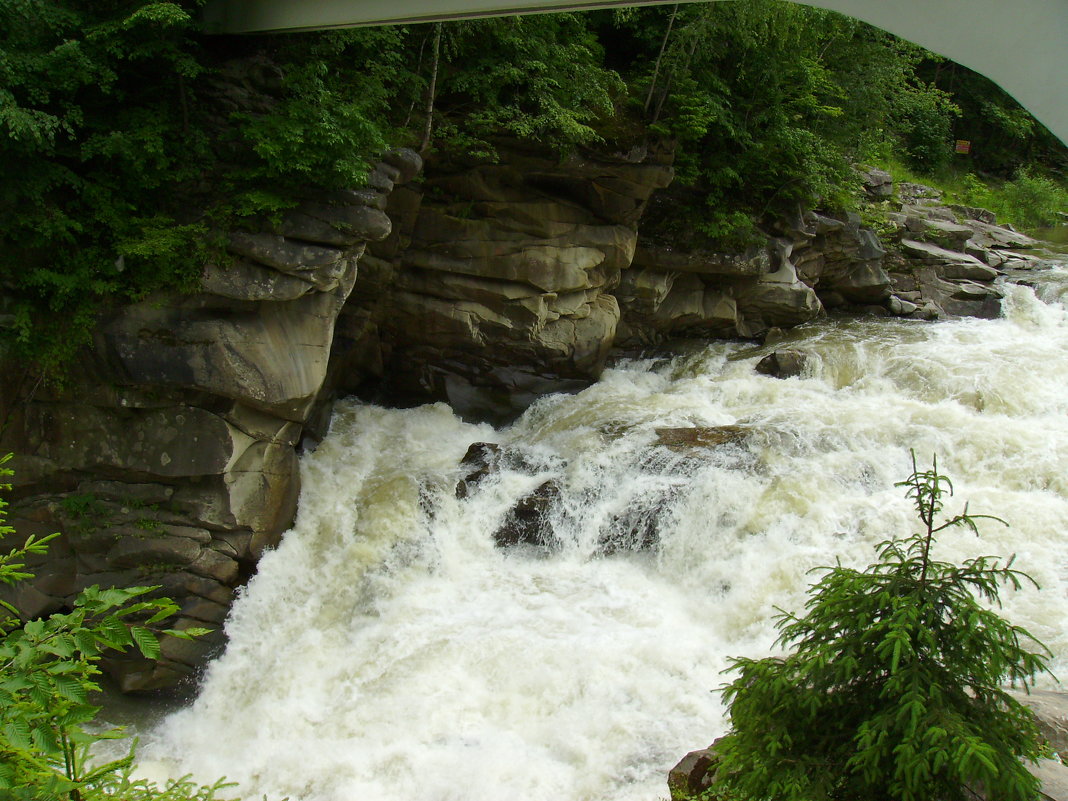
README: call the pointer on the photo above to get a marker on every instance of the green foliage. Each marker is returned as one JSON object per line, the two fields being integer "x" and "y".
{"x": 894, "y": 686}
{"x": 923, "y": 120}
{"x": 1005, "y": 137}
{"x": 768, "y": 104}
{"x": 538, "y": 78}
{"x": 136, "y": 142}
{"x": 327, "y": 97}
{"x": 1030, "y": 200}
{"x": 90, "y": 125}
{"x": 48, "y": 671}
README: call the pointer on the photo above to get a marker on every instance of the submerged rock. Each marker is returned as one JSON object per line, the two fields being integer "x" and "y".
{"x": 480, "y": 461}
{"x": 784, "y": 363}
{"x": 686, "y": 439}
{"x": 527, "y": 523}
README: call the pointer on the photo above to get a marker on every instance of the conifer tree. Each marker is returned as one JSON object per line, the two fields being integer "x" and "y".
{"x": 895, "y": 688}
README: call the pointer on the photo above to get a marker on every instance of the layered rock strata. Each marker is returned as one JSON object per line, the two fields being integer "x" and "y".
{"x": 171, "y": 457}
{"x": 928, "y": 261}
{"x": 946, "y": 260}
{"x": 808, "y": 264}
{"x": 497, "y": 286}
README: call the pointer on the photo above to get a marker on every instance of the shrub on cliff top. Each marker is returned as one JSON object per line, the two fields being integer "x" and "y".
{"x": 894, "y": 687}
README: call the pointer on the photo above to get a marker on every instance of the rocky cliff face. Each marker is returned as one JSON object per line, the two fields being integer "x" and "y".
{"x": 171, "y": 458}
{"x": 497, "y": 285}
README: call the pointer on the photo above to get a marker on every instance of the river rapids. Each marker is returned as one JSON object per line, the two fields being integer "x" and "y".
{"x": 388, "y": 650}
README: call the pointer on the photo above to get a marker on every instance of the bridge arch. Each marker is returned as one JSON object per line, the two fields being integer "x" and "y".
{"x": 1022, "y": 45}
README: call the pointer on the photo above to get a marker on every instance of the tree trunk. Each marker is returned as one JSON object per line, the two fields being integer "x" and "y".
{"x": 432, "y": 90}
{"x": 660, "y": 57}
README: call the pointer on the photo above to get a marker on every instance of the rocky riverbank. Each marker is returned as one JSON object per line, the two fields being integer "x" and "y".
{"x": 170, "y": 457}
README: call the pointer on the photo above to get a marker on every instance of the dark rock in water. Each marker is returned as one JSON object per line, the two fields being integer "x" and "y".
{"x": 974, "y": 300}
{"x": 686, "y": 439}
{"x": 526, "y": 523}
{"x": 900, "y": 307}
{"x": 637, "y": 528}
{"x": 784, "y": 363}
{"x": 481, "y": 460}
{"x": 694, "y": 774}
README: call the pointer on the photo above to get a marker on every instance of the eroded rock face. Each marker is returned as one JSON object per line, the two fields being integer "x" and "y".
{"x": 496, "y": 286}
{"x": 170, "y": 458}
{"x": 944, "y": 261}
{"x": 810, "y": 263}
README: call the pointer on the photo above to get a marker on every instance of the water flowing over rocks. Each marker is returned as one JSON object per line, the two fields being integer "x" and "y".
{"x": 171, "y": 455}
{"x": 784, "y": 363}
{"x": 390, "y": 648}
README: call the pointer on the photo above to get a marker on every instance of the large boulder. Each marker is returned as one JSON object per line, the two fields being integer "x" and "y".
{"x": 839, "y": 258}
{"x": 785, "y": 363}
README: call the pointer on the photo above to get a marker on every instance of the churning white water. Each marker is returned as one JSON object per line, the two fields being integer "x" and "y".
{"x": 388, "y": 650}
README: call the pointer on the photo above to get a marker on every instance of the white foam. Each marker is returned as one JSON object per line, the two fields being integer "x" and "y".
{"x": 388, "y": 650}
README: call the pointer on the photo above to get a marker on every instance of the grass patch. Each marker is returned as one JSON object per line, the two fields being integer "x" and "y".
{"x": 1028, "y": 201}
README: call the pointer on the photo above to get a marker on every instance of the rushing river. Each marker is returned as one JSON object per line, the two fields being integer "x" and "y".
{"x": 389, "y": 651}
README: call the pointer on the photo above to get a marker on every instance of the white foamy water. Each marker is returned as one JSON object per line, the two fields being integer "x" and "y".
{"x": 389, "y": 651}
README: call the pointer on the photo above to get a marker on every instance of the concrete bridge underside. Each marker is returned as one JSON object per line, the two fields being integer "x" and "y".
{"x": 1022, "y": 45}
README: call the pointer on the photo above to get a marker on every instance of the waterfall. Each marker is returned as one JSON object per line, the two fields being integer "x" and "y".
{"x": 389, "y": 650}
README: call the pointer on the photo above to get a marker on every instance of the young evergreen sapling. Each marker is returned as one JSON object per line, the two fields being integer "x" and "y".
{"x": 894, "y": 689}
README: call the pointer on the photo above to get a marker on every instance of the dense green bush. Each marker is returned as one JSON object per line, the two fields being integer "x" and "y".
{"x": 1029, "y": 200}
{"x": 769, "y": 103}
{"x": 894, "y": 688}
{"x": 127, "y": 141}
{"x": 538, "y": 78}
{"x": 48, "y": 671}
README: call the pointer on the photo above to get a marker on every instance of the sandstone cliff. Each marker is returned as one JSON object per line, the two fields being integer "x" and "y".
{"x": 170, "y": 456}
